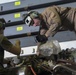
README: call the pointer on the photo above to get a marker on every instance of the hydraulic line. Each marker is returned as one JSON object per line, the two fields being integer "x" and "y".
{"x": 32, "y": 70}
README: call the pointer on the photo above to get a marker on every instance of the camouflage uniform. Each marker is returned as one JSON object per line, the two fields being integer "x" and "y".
{"x": 9, "y": 45}
{"x": 58, "y": 18}
{"x": 5, "y": 44}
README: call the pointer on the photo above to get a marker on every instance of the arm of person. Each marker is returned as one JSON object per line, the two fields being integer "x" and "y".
{"x": 8, "y": 46}
{"x": 52, "y": 18}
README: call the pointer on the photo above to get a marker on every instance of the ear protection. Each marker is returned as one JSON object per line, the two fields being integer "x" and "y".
{"x": 28, "y": 18}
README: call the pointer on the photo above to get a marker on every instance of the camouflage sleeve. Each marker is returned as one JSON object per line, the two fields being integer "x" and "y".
{"x": 52, "y": 20}
{"x": 5, "y": 43}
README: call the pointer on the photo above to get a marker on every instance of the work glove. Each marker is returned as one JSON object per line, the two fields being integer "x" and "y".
{"x": 41, "y": 38}
{"x": 17, "y": 44}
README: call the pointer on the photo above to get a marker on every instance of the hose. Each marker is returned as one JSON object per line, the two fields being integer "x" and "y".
{"x": 65, "y": 67}
{"x": 32, "y": 70}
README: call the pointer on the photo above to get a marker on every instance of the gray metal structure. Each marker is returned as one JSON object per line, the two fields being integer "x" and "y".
{"x": 15, "y": 29}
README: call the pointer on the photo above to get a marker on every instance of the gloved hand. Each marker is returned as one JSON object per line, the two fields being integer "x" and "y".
{"x": 41, "y": 38}
{"x": 17, "y": 47}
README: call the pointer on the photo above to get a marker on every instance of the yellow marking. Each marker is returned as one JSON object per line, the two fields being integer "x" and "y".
{"x": 17, "y": 3}
{"x": 19, "y": 28}
{"x": 17, "y": 15}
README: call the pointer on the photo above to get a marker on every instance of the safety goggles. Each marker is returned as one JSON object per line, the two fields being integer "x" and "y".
{"x": 32, "y": 22}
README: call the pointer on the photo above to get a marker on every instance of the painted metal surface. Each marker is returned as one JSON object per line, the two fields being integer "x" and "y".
{"x": 67, "y": 39}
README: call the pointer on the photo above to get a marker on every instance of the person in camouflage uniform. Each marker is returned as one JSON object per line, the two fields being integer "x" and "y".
{"x": 52, "y": 20}
{"x": 5, "y": 44}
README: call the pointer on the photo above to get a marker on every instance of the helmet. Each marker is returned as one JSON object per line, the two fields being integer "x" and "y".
{"x": 2, "y": 23}
{"x": 28, "y": 18}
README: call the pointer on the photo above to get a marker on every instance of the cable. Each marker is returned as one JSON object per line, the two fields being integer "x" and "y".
{"x": 32, "y": 70}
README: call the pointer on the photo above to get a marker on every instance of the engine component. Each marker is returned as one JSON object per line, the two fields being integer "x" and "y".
{"x": 49, "y": 48}
{"x": 61, "y": 69}
{"x": 47, "y": 65}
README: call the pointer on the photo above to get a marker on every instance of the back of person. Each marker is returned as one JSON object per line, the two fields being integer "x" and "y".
{"x": 66, "y": 14}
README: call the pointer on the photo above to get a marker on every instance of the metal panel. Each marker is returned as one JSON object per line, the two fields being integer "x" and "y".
{"x": 12, "y": 30}
{"x": 26, "y": 41}
{"x": 30, "y": 41}
{"x": 32, "y": 49}
{"x": 11, "y": 17}
{"x": 34, "y": 5}
{"x": 69, "y": 5}
{"x": 23, "y": 3}
{"x": 20, "y": 29}
{"x": 6, "y": 1}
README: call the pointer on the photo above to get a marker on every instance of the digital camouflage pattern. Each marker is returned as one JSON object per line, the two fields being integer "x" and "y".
{"x": 4, "y": 43}
{"x": 58, "y": 18}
